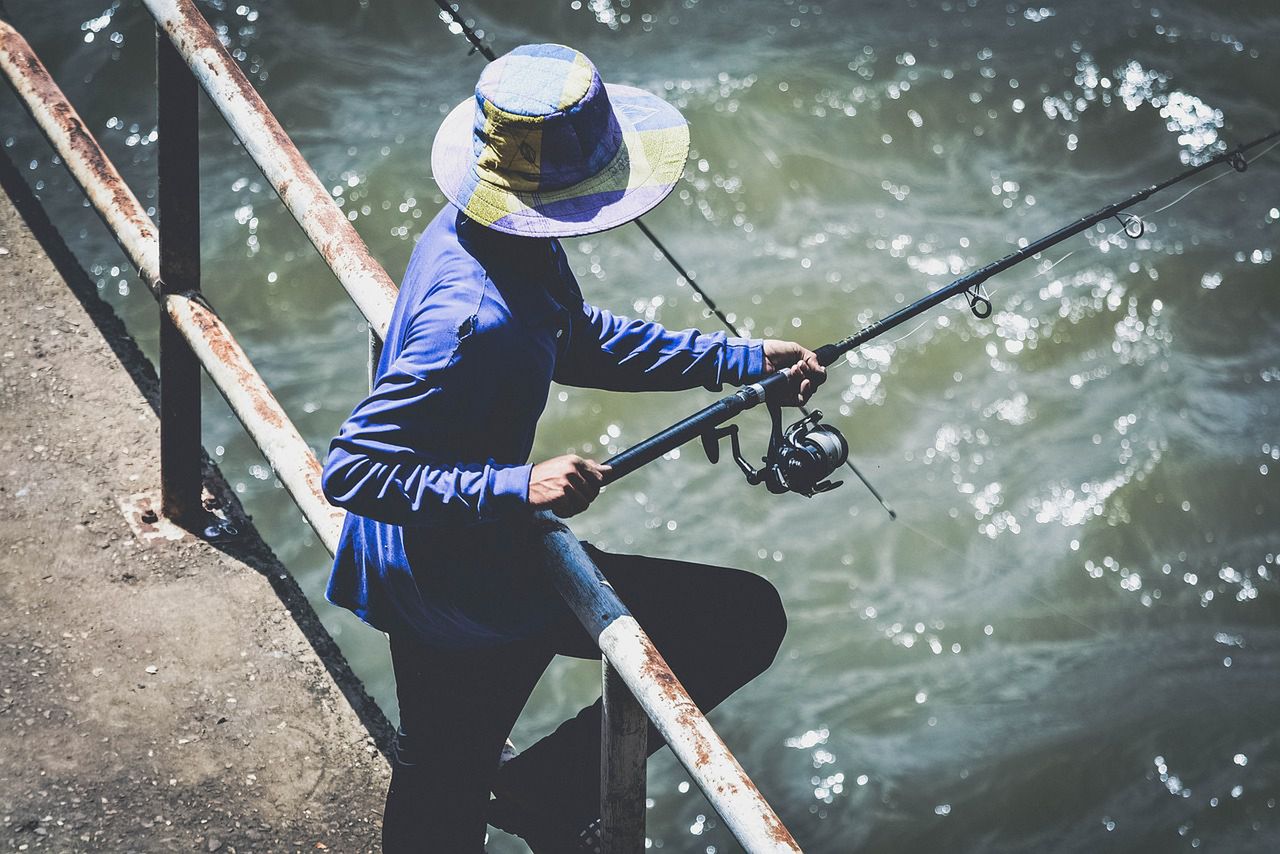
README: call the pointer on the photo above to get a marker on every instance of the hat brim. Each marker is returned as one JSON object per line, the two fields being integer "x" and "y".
{"x": 655, "y": 145}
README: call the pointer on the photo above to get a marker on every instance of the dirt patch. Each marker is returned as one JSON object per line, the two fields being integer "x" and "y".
{"x": 153, "y": 697}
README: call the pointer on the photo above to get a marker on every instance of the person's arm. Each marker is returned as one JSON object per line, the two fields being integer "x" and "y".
{"x": 617, "y": 353}
{"x": 620, "y": 354}
{"x": 380, "y": 465}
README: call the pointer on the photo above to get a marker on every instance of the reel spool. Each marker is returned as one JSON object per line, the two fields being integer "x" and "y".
{"x": 800, "y": 458}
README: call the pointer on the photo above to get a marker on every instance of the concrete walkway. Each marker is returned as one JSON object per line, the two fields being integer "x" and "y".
{"x": 157, "y": 695}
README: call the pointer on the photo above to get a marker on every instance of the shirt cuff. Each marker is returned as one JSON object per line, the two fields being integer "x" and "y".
{"x": 507, "y": 489}
{"x": 744, "y": 360}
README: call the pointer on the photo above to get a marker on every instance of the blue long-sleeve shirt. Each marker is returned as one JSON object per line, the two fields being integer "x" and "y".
{"x": 433, "y": 465}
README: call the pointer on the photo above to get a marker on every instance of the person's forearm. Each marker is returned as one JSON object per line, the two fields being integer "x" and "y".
{"x": 406, "y": 490}
{"x": 622, "y": 354}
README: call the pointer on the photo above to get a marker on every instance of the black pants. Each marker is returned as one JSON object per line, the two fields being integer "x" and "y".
{"x": 718, "y": 628}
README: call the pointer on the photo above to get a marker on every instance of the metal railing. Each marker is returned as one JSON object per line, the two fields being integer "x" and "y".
{"x": 636, "y": 682}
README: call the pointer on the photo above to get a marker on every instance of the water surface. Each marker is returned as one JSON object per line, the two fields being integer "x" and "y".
{"x": 1068, "y": 640}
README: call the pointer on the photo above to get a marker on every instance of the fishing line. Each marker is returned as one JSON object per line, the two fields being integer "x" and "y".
{"x": 960, "y": 556}
{"x": 1211, "y": 180}
{"x": 1142, "y": 218}
{"x": 920, "y": 326}
{"x": 1139, "y": 219}
{"x": 1046, "y": 270}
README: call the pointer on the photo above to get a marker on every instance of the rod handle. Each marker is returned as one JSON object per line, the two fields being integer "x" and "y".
{"x": 648, "y": 450}
{"x": 674, "y": 436}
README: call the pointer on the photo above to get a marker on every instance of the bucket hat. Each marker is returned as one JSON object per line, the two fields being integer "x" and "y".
{"x": 546, "y": 149}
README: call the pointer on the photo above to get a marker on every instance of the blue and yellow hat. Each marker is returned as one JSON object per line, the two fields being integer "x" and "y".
{"x": 545, "y": 149}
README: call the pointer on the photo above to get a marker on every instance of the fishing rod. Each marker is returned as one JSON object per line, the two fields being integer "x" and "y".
{"x": 454, "y": 15}
{"x": 801, "y": 457}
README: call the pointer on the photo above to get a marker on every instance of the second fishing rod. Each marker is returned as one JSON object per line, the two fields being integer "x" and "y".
{"x": 802, "y": 456}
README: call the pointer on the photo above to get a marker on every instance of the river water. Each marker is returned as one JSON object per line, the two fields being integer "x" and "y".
{"x": 1068, "y": 641}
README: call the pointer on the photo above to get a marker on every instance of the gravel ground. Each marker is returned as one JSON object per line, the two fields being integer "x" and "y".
{"x": 154, "y": 695}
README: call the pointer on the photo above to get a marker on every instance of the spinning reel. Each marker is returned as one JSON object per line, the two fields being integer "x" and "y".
{"x": 798, "y": 460}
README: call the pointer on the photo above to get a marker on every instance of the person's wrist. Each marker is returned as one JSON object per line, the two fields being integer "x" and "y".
{"x": 508, "y": 489}
{"x": 773, "y": 350}
{"x": 748, "y": 354}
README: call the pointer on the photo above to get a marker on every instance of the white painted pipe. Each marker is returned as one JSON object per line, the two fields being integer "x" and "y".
{"x": 279, "y": 159}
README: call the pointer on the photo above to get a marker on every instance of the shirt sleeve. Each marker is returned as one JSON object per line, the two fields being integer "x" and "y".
{"x": 380, "y": 464}
{"x": 621, "y": 354}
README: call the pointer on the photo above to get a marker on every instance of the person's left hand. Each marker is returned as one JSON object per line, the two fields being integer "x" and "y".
{"x": 806, "y": 372}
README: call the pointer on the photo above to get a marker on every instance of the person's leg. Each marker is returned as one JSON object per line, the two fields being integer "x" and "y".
{"x": 456, "y": 710}
{"x": 718, "y": 628}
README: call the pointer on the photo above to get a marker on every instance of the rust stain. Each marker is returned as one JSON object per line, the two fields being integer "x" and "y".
{"x": 343, "y": 243}
{"x": 774, "y": 827}
{"x": 45, "y": 90}
{"x": 228, "y": 353}
{"x": 655, "y": 669}
{"x": 193, "y": 33}
{"x": 313, "y": 478}
{"x": 266, "y": 412}
{"x": 148, "y": 526}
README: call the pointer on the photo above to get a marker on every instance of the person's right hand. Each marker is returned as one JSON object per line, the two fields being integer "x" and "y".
{"x": 565, "y": 485}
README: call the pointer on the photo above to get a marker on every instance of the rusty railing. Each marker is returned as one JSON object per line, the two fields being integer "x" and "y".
{"x": 636, "y": 682}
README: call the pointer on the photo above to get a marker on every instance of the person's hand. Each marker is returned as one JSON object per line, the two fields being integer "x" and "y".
{"x": 806, "y": 372}
{"x": 565, "y": 485}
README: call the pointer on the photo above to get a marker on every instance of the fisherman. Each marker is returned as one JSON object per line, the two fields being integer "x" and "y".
{"x": 432, "y": 464}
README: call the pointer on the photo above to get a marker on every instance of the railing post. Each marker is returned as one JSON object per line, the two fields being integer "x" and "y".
{"x": 179, "y": 200}
{"x": 624, "y": 736}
